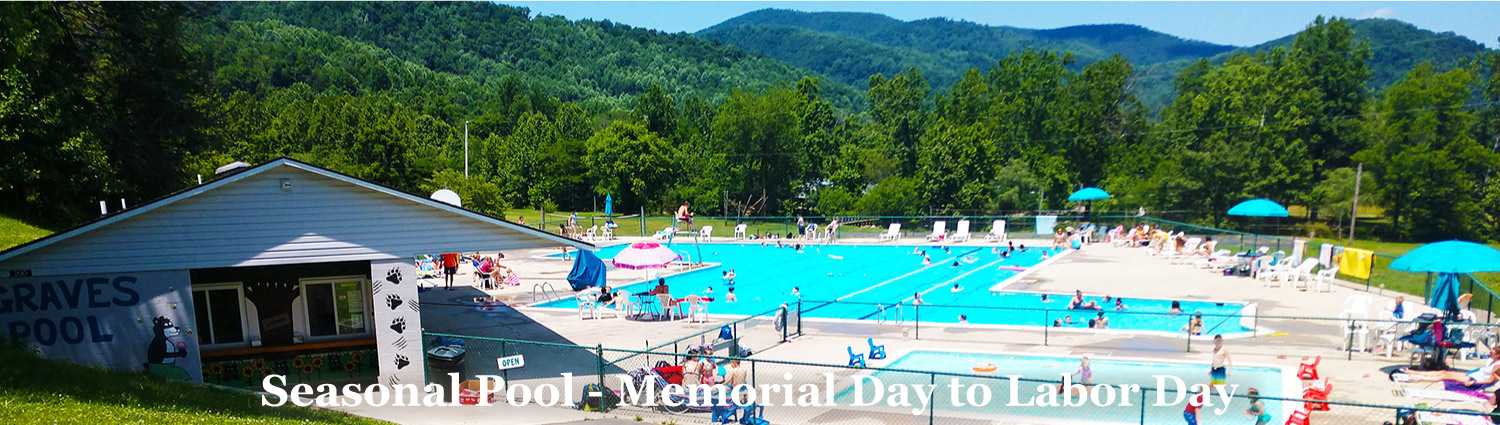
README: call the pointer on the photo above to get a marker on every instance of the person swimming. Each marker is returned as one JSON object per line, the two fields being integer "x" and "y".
{"x": 1103, "y": 321}
{"x": 1057, "y": 323}
{"x": 1068, "y": 319}
{"x": 956, "y": 289}
{"x": 730, "y": 297}
{"x": 1119, "y": 303}
{"x": 1023, "y": 247}
{"x": 963, "y": 319}
{"x": 916, "y": 299}
{"x": 797, "y": 291}
{"x": 970, "y": 259}
{"x": 1176, "y": 307}
{"x": 926, "y": 261}
{"x": 1044, "y": 299}
{"x": 1005, "y": 254}
{"x": 994, "y": 250}
{"x": 1044, "y": 254}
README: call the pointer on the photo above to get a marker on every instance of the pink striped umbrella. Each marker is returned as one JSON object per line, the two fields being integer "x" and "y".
{"x": 645, "y": 255}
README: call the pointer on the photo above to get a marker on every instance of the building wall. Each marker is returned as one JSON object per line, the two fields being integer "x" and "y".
{"x": 138, "y": 321}
{"x": 253, "y": 222}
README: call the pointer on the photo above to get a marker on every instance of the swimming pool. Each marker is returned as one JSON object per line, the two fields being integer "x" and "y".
{"x": 1269, "y": 381}
{"x": 861, "y": 276}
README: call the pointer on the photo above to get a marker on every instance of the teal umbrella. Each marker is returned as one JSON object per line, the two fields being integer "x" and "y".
{"x": 1258, "y": 208}
{"x": 1448, "y": 260}
{"x": 609, "y": 204}
{"x": 1088, "y": 195}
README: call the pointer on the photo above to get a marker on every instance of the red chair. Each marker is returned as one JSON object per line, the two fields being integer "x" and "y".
{"x": 1309, "y": 371}
{"x": 1297, "y": 418}
{"x": 1318, "y": 391}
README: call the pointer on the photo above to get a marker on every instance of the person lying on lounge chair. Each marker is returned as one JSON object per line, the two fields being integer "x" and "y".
{"x": 1479, "y": 378}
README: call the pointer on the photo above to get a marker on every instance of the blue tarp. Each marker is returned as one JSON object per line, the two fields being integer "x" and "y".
{"x": 588, "y": 271}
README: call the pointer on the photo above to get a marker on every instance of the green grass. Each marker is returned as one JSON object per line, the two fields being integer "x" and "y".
{"x": 723, "y": 228}
{"x": 15, "y": 232}
{"x": 36, "y": 390}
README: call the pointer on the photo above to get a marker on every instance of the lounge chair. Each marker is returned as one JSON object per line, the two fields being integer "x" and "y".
{"x": 997, "y": 231}
{"x": 588, "y": 235}
{"x": 856, "y": 359}
{"x": 707, "y": 232}
{"x": 739, "y": 232}
{"x": 620, "y": 306}
{"x": 664, "y": 234}
{"x": 1126, "y": 240}
{"x": 877, "y": 352}
{"x": 939, "y": 231}
{"x": 1213, "y": 260}
{"x": 962, "y": 233}
{"x": 697, "y": 307}
{"x": 892, "y": 234}
{"x": 1187, "y": 250}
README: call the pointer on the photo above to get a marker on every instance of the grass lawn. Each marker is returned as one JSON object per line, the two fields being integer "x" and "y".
{"x": 14, "y": 232}
{"x": 36, "y": 390}
{"x": 632, "y": 226}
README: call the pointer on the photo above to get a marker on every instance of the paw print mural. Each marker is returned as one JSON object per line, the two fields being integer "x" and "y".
{"x": 393, "y": 301}
{"x": 393, "y": 276}
{"x": 399, "y": 325}
{"x": 402, "y": 361}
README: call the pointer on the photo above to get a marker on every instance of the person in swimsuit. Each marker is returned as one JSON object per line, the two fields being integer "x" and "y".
{"x": 1219, "y": 369}
{"x": 1478, "y": 378}
{"x": 1257, "y": 409}
{"x": 1085, "y": 375}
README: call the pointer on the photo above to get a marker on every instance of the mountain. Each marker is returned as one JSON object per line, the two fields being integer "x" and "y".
{"x": 598, "y": 64}
{"x": 851, "y": 47}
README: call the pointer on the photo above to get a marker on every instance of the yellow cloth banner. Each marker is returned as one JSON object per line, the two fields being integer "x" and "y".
{"x": 1356, "y": 262}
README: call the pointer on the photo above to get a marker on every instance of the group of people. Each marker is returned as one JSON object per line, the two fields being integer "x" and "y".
{"x": 487, "y": 269}
{"x": 700, "y": 367}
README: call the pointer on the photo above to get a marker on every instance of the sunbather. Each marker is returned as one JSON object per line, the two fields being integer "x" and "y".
{"x": 1479, "y": 378}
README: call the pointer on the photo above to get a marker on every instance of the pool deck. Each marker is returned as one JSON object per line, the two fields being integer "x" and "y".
{"x": 1097, "y": 270}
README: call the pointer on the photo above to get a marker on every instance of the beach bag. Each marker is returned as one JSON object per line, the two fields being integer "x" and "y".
{"x": 605, "y": 400}
{"x": 726, "y": 333}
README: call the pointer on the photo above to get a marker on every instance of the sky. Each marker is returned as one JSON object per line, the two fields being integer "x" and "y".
{"x": 1231, "y": 23}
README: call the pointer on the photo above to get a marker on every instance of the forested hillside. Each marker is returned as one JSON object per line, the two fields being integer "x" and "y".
{"x": 850, "y": 47}
{"x": 132, "y": 100}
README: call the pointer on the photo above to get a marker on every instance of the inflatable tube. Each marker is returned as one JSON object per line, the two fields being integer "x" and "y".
{"x": 1013, "y": 268}
{"x": 835, "y": 257}
{"x": 985, "y": 367}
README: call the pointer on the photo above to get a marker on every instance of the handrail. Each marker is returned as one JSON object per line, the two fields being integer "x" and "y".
{"x": 547, "y": 292}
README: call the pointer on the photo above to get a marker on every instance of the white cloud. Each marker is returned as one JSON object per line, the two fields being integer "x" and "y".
{"x": 1384, "y": 12}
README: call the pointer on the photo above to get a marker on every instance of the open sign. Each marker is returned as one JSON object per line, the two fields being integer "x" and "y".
{"x": 512, "y": 362}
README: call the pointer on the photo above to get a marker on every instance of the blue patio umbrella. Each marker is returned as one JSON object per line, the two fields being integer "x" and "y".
{"x": 1258, "y": 208}
{"x": 609, "y": 205}
{"x": 1088, "y": 195}
{"x": 1448, "y": 260}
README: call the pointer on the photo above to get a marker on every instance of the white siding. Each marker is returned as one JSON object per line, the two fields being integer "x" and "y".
{"x": 251, "y": 222}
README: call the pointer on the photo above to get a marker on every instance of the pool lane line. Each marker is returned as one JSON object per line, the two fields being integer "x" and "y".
{"x": 924, "y": 268}
{"x": 934, "y": 288}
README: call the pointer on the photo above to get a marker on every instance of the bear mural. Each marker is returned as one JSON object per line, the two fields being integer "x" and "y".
{"x": 164, "y": 350}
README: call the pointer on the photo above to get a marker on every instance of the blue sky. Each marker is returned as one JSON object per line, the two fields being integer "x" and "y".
{"x": 1233, "y": 23}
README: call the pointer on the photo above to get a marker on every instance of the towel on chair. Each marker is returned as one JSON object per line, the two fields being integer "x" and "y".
{"x": 1356, "y": 262}
{"x": 1325, "y": 255}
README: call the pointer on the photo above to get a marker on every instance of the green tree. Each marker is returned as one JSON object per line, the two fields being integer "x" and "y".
{"x": 635, "y": 166}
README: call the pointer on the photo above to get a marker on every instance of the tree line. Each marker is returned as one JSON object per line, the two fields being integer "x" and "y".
{"x": 100, "y": 101}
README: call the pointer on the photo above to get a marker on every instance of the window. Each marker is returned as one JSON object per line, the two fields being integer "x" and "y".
{"x": 335, "y": 306}
{"x": 219, "y": 312}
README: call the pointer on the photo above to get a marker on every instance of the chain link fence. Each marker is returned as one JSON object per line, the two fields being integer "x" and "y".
{"x": 570, "y": 377}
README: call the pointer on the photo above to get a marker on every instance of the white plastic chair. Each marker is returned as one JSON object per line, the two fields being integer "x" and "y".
{"x": 707, "y": 232}
{"x": 939, "y": 230}
{"x": 669, "y": 306}
{"x": 892, "y": 234}
{"x": 666, "y": 232}
{"x": 697, "y": 308}
{"x": 621, "y": 306}
{"x": 739, "y": 232}
{"x": 607, "y": 233}
{"x": 588, "y": 235}
{"x": 997, "y": 231}
{"x": 1326, "y": 277}
{"x": 588, "y": 302}
{"x": 1302, "y": 276}
{"x": 1355, "y": 323}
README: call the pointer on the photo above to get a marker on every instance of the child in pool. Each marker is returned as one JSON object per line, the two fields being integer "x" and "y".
{"x": 1257, "y": 409}
{"x": 1085, "y": 375}
{"x": 956, "y": 289}
{"x": 730, "y": 297}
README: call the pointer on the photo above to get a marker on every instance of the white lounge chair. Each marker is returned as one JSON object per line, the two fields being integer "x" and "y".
{"x": 588, "y": 304}
{"x": 811, "y": 232}
{"x": 997, "y": 231}
{"x": 939, "y": 231}
{"x": 588, "y": 235}
{"x": 1213, "y": 260}
{"x": 665, "y": 233}
{"x": 1127, "y": 239}
{"x": 892, "y": 234}
{"x": 962, "y": 233}
{"x": 1187, "y": 250}
{"x": 739, "y": 232}
{"x": 707, "y": 232}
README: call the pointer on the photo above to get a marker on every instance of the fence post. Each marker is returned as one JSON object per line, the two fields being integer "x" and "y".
{"x": 918, "y": 326}
{"x": 734, "y": 344}
{"x": 1349, "y": 349}
{"x": 799, "y": 317}
{"x": 784, "y": 324}
{"x": 1190, "y": 339}
{"x": 932, "y": 410}
{"x": 643, "y": 221}
{"x": 602, "y": 407}
{"x": 1143, "y": 408}
{"x": 504, "y": 374}
{"x": 1046, "y": 327}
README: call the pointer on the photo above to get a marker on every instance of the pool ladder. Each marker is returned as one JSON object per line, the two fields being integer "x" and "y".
{"x": 544, "y": 292}
{"x": 883, "y": 314}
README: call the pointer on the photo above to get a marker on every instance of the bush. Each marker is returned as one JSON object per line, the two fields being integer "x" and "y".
{"x": 1316, "y": 229}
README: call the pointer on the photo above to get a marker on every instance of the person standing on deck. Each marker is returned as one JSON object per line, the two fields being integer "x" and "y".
{"x": 1219, "y": 371}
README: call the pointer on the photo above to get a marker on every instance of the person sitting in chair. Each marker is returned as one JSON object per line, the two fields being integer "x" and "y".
{"x": 685, "y": 216}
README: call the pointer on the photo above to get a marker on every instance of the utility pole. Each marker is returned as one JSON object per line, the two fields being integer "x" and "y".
{"x": 1041, "y": 194}
{"x": 1354, "y": 215}
{"x": 466, "y": 149}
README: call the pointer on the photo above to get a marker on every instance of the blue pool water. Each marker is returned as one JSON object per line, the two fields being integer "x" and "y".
{"x": 1268, "y": 381}
{"x": 892, "y": 274}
